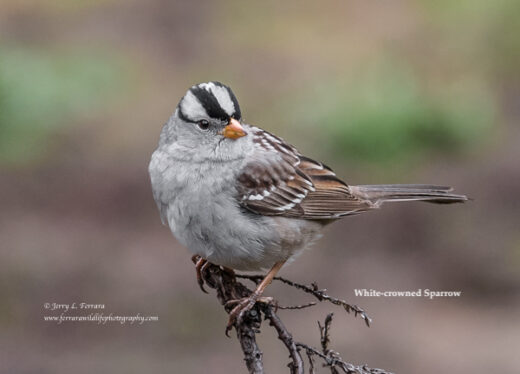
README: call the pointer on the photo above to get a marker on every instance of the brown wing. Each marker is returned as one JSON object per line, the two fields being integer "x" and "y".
{"x": 280, "y": 181}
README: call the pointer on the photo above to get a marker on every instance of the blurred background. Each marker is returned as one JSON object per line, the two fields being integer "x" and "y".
{"x": 383, "y": 92}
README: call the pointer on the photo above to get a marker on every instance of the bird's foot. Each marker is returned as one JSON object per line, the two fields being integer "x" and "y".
{"x": 200, "y": 266}
{"x": 243, "y": 306}
{"x": 229, "y": 271}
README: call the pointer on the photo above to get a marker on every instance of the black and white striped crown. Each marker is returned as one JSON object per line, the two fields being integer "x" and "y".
{"x": 209, "y": 100}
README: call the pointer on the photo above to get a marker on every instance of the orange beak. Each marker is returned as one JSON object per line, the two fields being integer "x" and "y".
{"x": 233, "y": 130}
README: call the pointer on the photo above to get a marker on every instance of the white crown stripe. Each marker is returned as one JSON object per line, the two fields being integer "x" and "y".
{"x": 221, "y": 94}
{"x": 223, "y": 98}
{"x": 192, "y": 108}
{"x": 207, "y": 86}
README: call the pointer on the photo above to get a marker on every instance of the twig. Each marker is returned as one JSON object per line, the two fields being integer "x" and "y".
{"x": 296, "y": 366}
{"x": 331, "y": 358}
{"x": 311, "y": 362}
{"x": 321, "y": 295}
{"x": 345, "y": 366}
{"x": 324, "y": 333}
{"x": 228, "y": 289}
{"x": 294, "y": 307}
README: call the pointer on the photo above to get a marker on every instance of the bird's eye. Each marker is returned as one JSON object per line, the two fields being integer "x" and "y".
{"x": 203, "y": 124}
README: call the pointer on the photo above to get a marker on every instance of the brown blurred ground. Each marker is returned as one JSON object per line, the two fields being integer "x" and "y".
{"x": 78, "y": 222}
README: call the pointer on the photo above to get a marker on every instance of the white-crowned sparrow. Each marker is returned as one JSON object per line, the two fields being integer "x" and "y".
{"x": 241, "y": 197}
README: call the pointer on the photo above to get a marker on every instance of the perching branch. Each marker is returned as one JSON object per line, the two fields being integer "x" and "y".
{"x": 228, "y": 289}
{"x": 316, "y": 292}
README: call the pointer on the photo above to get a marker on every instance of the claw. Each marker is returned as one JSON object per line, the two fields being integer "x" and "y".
{"x": 267, "y": 300}
{"x": 200, "y": 265}
{"x": 237, "y": 314}
{"x": 243, "y": 306}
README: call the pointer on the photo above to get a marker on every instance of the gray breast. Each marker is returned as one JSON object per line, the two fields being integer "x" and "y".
{"x": 199, "y": 205}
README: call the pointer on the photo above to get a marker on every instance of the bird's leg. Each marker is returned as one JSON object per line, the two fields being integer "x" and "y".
{"x": 244, "y": 305}
{"x": 200, "y": 266}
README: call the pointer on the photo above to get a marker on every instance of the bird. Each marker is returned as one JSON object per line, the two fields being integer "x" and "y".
{"x": 243, "y": 198}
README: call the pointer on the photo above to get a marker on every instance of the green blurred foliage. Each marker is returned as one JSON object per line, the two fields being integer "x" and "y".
{"x": 382, "y": 114}
{"x": 41, "y": 90}
{"x": 438, "y": 98}
{"x": 504, "y": 41}
{"x": 489, "y": 29}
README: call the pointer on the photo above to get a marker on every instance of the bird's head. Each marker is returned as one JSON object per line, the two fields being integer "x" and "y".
{"x": 207, "y": 119}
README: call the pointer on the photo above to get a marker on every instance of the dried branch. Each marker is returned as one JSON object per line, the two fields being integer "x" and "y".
{"x": 311, "y": 362}
{"x": 332, "y": 359}
{"x": 293, "y": 307}
{"x": 229, "y": 289}
{"x": 313, "y": 290}
{"x": 296, "y": 366}
{"x": 324, "y": 333}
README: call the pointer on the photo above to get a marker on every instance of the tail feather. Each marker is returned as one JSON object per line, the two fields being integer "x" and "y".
{"x": 380, "y": 193}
